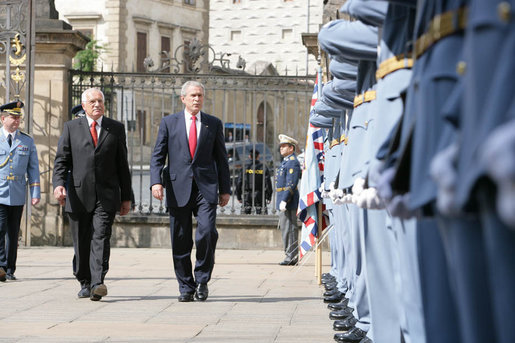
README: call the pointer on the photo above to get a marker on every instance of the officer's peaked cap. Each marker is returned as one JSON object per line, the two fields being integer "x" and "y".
{"x": 283, "y": 139}
{"x": 13, "y": 108}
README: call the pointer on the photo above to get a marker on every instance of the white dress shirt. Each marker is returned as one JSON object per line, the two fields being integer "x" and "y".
{"x": 99, "y": 124}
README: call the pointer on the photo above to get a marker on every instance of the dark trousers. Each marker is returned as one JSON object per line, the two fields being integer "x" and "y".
{"x": 10, "y": 218}
{"x": 206, "y": 237}
{"x": 91, "y": 234}
{"x": 290, "y": 233}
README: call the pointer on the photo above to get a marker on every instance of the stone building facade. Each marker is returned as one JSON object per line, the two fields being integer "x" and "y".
{"x": 266, "y": 31}
{"x": 132, "y": 30}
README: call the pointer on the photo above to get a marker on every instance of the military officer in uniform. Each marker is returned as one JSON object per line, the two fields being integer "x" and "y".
{"x": 251, "y": 184}
{"x": 287, "y": 178}
{"x": 18, "y": 159}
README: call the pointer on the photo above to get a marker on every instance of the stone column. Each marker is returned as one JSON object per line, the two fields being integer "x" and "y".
{"x": 56, "y": 45}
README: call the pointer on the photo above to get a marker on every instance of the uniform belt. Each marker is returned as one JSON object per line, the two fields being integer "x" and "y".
{"x": 392, "y": 64}
{"x": 364, "y": 97}
{"x": 441, "y": 26}
{"x": 284, "y": 189}
{"x": 251, "y": 171}
{"x": 11, "y": 177}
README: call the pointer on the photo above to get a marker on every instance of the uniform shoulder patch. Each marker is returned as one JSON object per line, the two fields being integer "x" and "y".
{"x": 292, "y": 158}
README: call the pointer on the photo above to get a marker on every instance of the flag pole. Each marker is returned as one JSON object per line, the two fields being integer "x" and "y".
{"x": 319, "y": 246}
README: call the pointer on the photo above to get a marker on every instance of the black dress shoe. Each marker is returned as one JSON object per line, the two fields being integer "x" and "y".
{"x": 336, "y": 298}
{"x": 10, "y": 276}
{"x": 365, "y": 340}
{"x": 331, "y": 285}
{"x": 346, "y": 324}
{"x": 97, "y": 292}
{"x": 353, "y": 335}
{"x": 186, "y": 297}
{"x": 341, "y": 314}
{"x": 328, "y": 279}
{"x": 288, "y": 262}
{"x": 325, "y": 275}
{"x": 330, "y": 292}
{"x": 339, "y": 306}
{"x": 201, "y": 292}
{"x": 84, "y": 292}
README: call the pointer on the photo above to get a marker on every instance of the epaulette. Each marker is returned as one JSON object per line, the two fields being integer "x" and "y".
{"x": 25, "y": 133}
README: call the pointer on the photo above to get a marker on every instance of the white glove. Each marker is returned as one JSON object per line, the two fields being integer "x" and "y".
{"x": 282, "y": 206}
{"x": 443, "y": 172}
{"x": 497, "y": 155}
{"x": 358, "y": 186}
{"x": 372, "y": 199}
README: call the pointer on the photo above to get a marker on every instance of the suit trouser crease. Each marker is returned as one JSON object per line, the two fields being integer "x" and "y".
{"x": 91, "y": 233}
{"x": 206, "y": 237}
{"x": 10, "y": 219}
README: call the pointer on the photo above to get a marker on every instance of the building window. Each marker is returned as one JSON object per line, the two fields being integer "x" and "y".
{"x": 189, "y": 2}
{"x": 287, "y": 34}
{"x": 141, "y": 52}
{"x": 87, "y": 32}
{"x": 236, "y": 35}
{"x": 165, "y": 47}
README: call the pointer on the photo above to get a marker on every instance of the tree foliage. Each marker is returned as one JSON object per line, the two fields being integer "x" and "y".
{"x": 88, "y": 58}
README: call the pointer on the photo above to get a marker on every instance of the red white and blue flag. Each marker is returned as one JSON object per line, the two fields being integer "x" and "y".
{"x": 312, "y": 176}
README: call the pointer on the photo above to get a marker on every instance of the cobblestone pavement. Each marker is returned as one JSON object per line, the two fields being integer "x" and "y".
{"x": 252, "y": 299}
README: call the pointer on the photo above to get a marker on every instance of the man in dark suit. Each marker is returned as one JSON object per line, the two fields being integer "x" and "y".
{"x": 93, "y": 148}
{"x": 199, "y": 178}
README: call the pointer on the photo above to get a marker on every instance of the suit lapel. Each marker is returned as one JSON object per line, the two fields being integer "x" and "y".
{"x": 84, "y": 129}
{"x": 204, "y": 131}
{"x": 104, "y": 132}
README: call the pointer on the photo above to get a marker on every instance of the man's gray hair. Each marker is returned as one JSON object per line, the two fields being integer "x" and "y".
{"x": 192, "y": 84}
{"x": 89, "y": 90}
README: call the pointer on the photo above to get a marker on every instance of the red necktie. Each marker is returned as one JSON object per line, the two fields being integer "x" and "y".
{"x": 93, "y": 130}
{"x": 193, "y": 136}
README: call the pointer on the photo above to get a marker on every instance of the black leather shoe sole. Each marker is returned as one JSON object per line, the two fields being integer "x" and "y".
{"x": 10, "y": 277}
{"x": 97, "y": 292}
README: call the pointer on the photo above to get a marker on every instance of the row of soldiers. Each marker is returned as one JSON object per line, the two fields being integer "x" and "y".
{"x": 419, "y": 179}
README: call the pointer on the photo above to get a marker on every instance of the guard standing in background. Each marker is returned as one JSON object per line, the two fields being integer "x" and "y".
{"x": 251, "y": 180}
{"x": 18, "y": 157}
{"x": 287, "y": 178}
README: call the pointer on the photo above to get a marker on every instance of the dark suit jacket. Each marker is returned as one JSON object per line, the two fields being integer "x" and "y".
{"x": 209, "y": 166}
{"x": 100, "y": 173}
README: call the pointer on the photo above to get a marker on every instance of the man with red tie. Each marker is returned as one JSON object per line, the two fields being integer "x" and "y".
{"x": 197, "y": 180}
{"x": 91, "y": 160}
